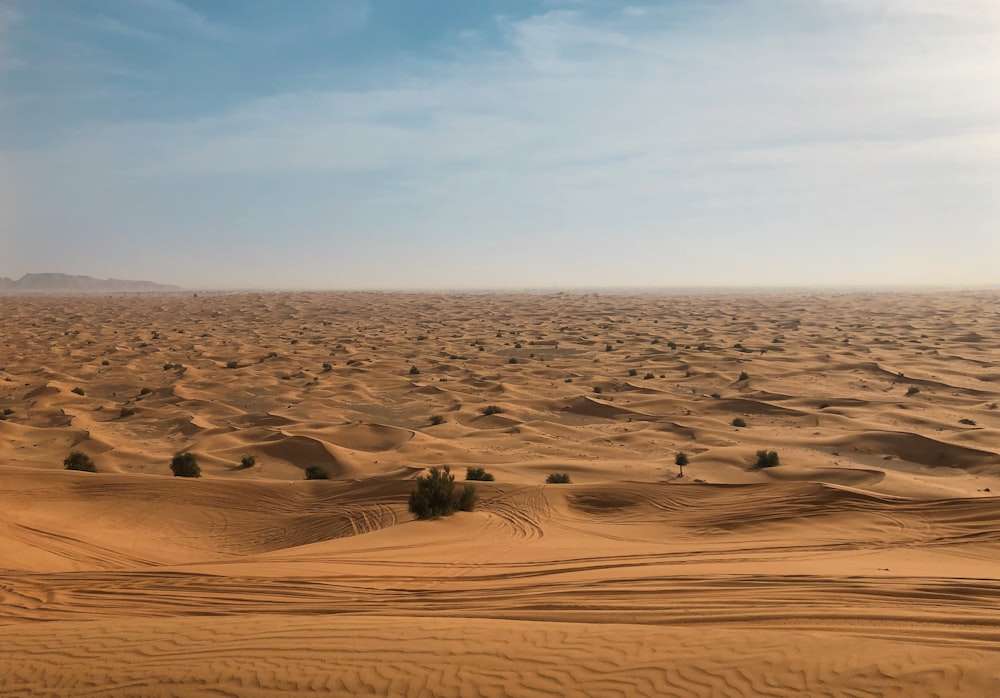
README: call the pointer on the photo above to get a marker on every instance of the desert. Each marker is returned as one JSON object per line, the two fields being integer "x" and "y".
{"x": 866, "y": 562}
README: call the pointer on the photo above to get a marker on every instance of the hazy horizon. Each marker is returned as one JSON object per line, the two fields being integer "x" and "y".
{"x": 546, "y": 144}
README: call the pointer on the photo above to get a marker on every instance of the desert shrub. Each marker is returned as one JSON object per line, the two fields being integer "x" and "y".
{"x": 436, "y": 495}
{"x": 739, "y": 422}
{"x": 78, "y": 460}
{"x": 491, "y": 409}
{"x": 912, "y": 390}
{"x": 681, "y": 459}
{"x": 327, "y": 367}
{"x": 436, "y": 419}
{"x": 648, "y": 376}
{"x": 633, "y": 372}
{"x": 716, "y": 396}
{"x": 824, "y": 405}
{"x": 317, "y": 472}
{"x": 145, "y": 391}
{"x": 126, "y": 412}
{"x": 512, "y": 360}
{"x": 558, "y": 478}
{"x": 766, "y": 459}
{"x": 414, "y": 371}
{"x": 78, "y": 391}
{"x": 185, "y": 465}
{"x": 478, "y": 474}
{"x": 966, "y": 420}
{"x": 744, "y": 376}
{"x": 467, "y": 498}
{"x": 248, "y": 461}
{"x": 105, "y": 363}
{"x": 232, "y": 364}
{"x": 598, "y": 389}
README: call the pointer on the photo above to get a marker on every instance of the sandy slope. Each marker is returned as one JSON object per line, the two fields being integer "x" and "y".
{"x": 867, "y": 563}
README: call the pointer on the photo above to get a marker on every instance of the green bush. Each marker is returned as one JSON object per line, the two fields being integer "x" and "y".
{"x": 478, "y": 474}
{"x": 558, "y": 479}
{"x": 467, "y": 498}
{"x": 78, "y": 460}
{"x": 436, "y": 495}
{"x": 185, "y": 465}
{"x": 766, "y": 459}
{"x": 317, "y": 472}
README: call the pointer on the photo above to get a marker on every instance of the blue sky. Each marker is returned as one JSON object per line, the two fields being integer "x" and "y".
{"x": 545, "y": 143}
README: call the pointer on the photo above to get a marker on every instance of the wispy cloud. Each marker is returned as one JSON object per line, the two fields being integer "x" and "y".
{"x": 799, "y": 126}
{"x": 174, "y": 13}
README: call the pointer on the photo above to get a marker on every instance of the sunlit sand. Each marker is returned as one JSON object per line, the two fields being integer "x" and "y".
{"x": 865, "y": 563}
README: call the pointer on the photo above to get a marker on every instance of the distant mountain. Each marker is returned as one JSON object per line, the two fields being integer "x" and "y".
{"x": 47, "y": 283}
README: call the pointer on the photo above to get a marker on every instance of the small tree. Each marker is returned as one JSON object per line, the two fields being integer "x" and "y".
{"x": 436, "y": 495}
{"x": 185, "y": 465}
{"x": 78, "y": 460}
{"x": 478, "y": 474}
{"x": 680, "y": 460}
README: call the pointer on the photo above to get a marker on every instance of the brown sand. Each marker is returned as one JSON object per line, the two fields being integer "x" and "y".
{"x": 867, "y": 563}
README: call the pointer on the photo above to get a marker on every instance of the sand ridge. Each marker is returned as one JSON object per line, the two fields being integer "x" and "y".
{"x": 865, "y": 564}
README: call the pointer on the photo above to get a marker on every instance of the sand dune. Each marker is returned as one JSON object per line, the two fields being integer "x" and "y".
{"x": 866, "y": 563}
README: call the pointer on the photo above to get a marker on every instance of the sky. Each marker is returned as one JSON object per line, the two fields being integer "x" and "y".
{"x": 446, "y": 144}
